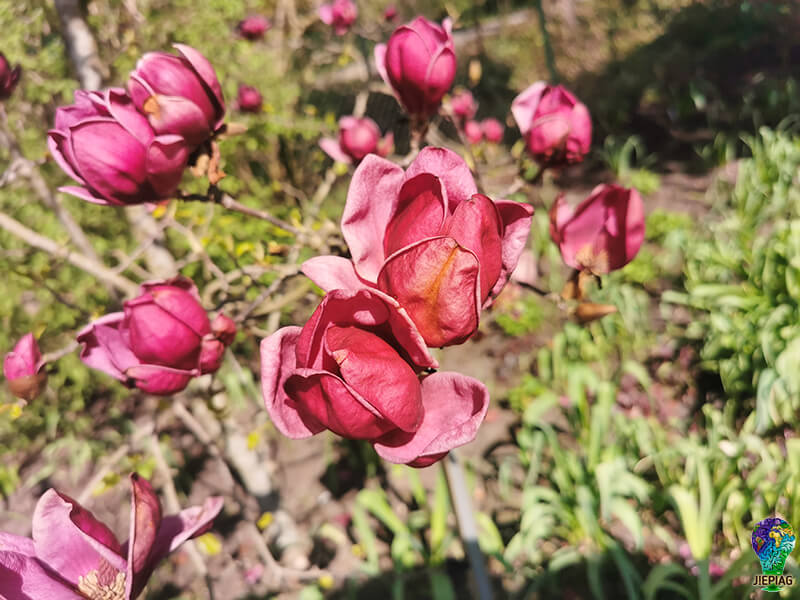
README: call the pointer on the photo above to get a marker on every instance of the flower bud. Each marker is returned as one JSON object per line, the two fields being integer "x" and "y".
{"x": 473, "y": 132}
{"x": 249, "y": 99}
{"x": 357, "y": 138}
{"x": 340, "y": 14}
{"x": 22, "y": 368}
{"x": 492, "y": 130}
{"x": 557, "y": 128}
{"x": 464, "y": 105}
{"x": 8, "y": 77}
{"x": 253, "y": 27}
{"x": 419, "y": 63}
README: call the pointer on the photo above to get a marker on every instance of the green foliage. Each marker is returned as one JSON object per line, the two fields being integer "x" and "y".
{"x": 621, "y": 156}
{"x": 743, "y": 272}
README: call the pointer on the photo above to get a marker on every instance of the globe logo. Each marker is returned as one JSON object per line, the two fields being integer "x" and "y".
{"x": 773, "y": 541}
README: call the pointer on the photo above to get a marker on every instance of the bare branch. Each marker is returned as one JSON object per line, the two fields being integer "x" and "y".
{"x": 94, "y": 268}
{"x": 80, "y": 44}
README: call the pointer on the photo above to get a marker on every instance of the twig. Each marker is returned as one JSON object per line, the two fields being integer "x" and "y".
{"x": 98, "y": 270}
{"x": 174, "y": 506}
{"x": 80, "y": 43}
{"x": 231, "y": 204}
{"x": 467, "y": 526}
{"x": 61, "y": 353}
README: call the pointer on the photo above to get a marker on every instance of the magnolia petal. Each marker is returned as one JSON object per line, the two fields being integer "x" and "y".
{"x": 177, "y": 115}
{"x": 523, "y": 107}
{"x": 144, "y": 525}
{"x": 420, "y": 212}
{"x": 278, "y": 363}
{"x": 450, "y": 168}
{"x": 371, "y": 201}
{"x": 22, "y": 577}
{"x": 332, "y": 148}
{"x": 24, "y": 359}
{"x": 336, "y": 405}
{"x": 173, "y": 531}
{"x": 159, "y": 380}
{"x": 167, "y": 156}
{"x": 17, "y": 544}
{"x": 437, "y": 282}
{"x": 332, "y": 272}
{"x": 86, "y": 194}
{"x": 70, "y": 540}
{"x": 104, "y": 347}
{"x": 207, "y": 74}
{"x": 455, "y": 406}
{"x": 372, "y": 368}
{"x": 380, "y": 63}
{"x": 516, "y": 218}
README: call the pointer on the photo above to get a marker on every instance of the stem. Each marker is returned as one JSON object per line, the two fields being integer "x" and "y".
{"x": 549, "y": 56}
{"x": 704, "y": 580}
{"x": 467, "y": 527}
{"x": 98, "y": 270}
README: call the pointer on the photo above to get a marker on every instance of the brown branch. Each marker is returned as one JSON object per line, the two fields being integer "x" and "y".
{"x": 94, "y": 268}
{"x": 231, "y": 204}
{"x": 80, "y": 44}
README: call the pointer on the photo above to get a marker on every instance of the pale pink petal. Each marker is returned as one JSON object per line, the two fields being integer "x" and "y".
{"x": 371, "y": 201}
{"x": 278, "y": 363}
{"x": 104, "y": 348}
{"x": 380, "y": 63}
{"x": 70, "y": 541}
{"x": 16, "y": 543}
{"x": 523, "y": 107}
{"x": 516, "y": 218}
{"x": 23, "y": 578}
{"x": 86, "y": 194}
{"x": 455, "y": 406}
{"x": 326, "y": 14}
{"x": 450, "y": 168}
{"x": 332, "y": 272}
{"x": 332, "y": 148}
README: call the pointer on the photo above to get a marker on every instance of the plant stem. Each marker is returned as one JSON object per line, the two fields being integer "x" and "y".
{"x": 704, "y": 580}
{"x": 467, "y": 526}
{"x": 549, "y": 56}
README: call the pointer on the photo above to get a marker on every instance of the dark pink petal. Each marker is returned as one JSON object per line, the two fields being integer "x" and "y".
{"x": 525, "y": 104}
{"x": 476, "y": 226}
{"x": 111, "y": 161}
{"x": 516, "y": 218}
{"x": 60, "y": 149}
{"x": 211, "y": 354}
{"x": 332, "y": 272}
{"x": 450, "y": 168}
{"x": 455, "y": 406}
{"x": 580, "y": 139}
{"x": 278, "y": 363}
{"x": 145, "y": 521}
{"x": 437, "y": 282}
{"x": 385, "y": 145}
{"x": 358, "y": 136}
{"x": 336, "y": 405}
{"x": 123, "y": 110}
{"x": 178, "y": 115}
{"x": 473, "y": 132}
{"x": 368, "y": 309}
{"x": 224, "y": 329}
{"x": 332, "y": 148}
{"x": 24, "y": 359}
{"x": 173, "y": 531}
{"x": 206, "y": 72}
{"x": 420, "y": 213}
{"x": 371, "y": 201}
{"x": 23, "y": 578}
{"x": 166, "y": 159}
{"x": 160, "y": 381}
{"x": 375, "y": 370}
{"x": 104, "y": 347}
{"x": 70, "y": 541}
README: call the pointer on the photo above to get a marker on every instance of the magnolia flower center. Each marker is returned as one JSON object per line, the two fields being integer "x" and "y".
{"x": 91, "y": 588}
{"x": 151, "y": 107}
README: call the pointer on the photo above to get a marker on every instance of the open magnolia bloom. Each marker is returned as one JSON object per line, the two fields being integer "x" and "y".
{"x": 429, "y": 240}
{"x": 73, "y": 556}
{"x": 357, "y": 368}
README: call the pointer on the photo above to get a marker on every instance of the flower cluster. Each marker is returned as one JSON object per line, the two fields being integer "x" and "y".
{"x": 131, "y": 147}
{"x": 160, "y": 341}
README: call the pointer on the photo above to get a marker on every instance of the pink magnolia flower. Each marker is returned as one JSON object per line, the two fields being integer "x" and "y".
{"x": 160, "y": 341}
{"x": 603, "y": 233}
{"x": 464, "y": 105}
{"x": 557, "y": 127}
{"x": 253, "y": 27}
{"x": 356, "y": 368}
{"x": 179, "y": 94}
{"x": 357, "y": 138}
{"x": 492, "y": 130}
{"x": 390, "y": 13}
{"x": 110, "y": 149}
{"x": 8, "y": 77}
{"x": 73, "y": 556}
{"x": 473, "y": 132}
{"x": 22, "y": 368}
{"x": 419, "y": 63}
{"x": 340, "y": 14}
{"x": 428, "y": 239}
{"x": 249, "y": 99}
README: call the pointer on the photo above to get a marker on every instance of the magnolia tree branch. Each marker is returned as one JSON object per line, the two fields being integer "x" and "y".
{"x": 94, "y": 268}
{"x": 80, "y": 44}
